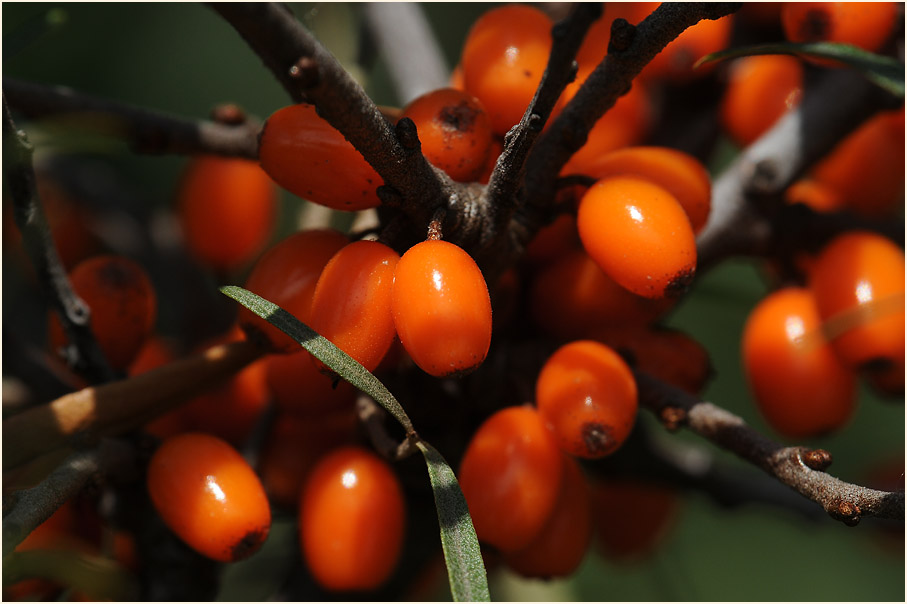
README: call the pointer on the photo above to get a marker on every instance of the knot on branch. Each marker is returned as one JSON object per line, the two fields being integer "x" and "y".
{"x": 389, "y": 196}
{"x": 306, "y": 72}
{"x": 622, "y": 34}
{"x": 535, "y": 122}
{"x": 847, "y": 512}
{"x": 228, "y": 114}
{"x": 673, "y": 418}
{"x": 408, "y": 135}
{"x": 817, "y": 459}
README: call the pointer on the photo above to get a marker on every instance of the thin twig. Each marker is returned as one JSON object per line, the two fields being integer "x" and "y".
{"x": 147, "y": 131}
{"x": 792, "y": 466}
{"x": 371, "y": 415}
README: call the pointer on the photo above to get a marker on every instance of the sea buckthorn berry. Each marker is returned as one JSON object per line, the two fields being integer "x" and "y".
{"x": 351, "y": 520}
{"x": 587, "y": 395}
{"x": 123, "y": 306}
{"x": 572, "y": 296}
{"x": 504, "y": 57}
{"x": 454, "y": 131}
{"x": 308, "y": 157}
{"x": 760, "y": 89}
{"x": 300, "y": 388}
{"x": 286, "y": 275}
{"x": 632, "y": 517}
{"x": 867, "y": 167}
{"x": 157, "y": 352}
{"x": 511, "y": 476}
{"x": 209, "y": 496}
{"x": 562, "y": 543}
{"x": 442, "y": 309}
{"x": 595, "y": 44}
{"x": 801, "y": 387}
{"x": 858, "y": 283}
{"x": 863, "y": 24}
{"x": 679, "y": 173}
{"x": 815, "y": 194}
{"x": 553, "y": 240}
{"x": 227, "y": 208}
{"x": 675, "y": 62}
{"x": 351, "y": 306}
{"x": 639, "y": 234}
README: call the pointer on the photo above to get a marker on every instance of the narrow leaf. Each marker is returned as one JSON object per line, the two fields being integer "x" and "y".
{"x": 885, "y": 72}
{"x": 322, "y": 349}
{"x": 465, "y": 569}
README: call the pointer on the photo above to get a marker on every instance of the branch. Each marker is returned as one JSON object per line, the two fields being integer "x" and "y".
{"x": 800, "y": 468}
{"x": 409, "y": 46}
{"x": 75, "y": 316}
{"x": 146, "y": 131}
{"x": 114, "y": 408}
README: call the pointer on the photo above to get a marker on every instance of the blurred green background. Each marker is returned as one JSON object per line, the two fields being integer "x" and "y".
{"x": 183, "y": 59}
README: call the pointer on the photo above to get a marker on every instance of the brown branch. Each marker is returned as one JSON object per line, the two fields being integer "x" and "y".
{"x": 800, "y": 468}
{"x": 147, "y": 131}
{"x": 371, "y": 415}
{"x": 81, "y": 417}
{"x": 85, "y": 355}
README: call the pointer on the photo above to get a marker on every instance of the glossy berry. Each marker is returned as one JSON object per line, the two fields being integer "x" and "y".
{"x": 441, "y": 307}
{"x": 799, "y": 384}
{"x": 123, "y": 306}
{"x": 760, "y": 89}
{"x": 679, "y": 173}
{"x": 511, "y": 475}
{"x": 351, "y": 305}
{"x": 863, "y": 24}
{"x": 639, "y": 234}
{"x": 504, "y": 57}
{"x": 560, "y": 547}
{"x": 631, "y": 517}
{"x": 587, "y": 395}
{"x": 209, "y": 496}
{"x": 454, "y": 131}
{"x": 286, "y": 275}
{"x": 227, "y": 209}
{"x": 675, "y": 62}
{"x": 858, "y": 284}
{"x": 311, "y": 159}
{"x": 351, "y": 520}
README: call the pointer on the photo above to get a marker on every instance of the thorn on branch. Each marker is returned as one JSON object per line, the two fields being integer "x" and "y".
{"x": 817, "y": 459}
{"x": 673, "y": 418}
{"x": 306, "y": 72}
{"x": 408, "y": 134}
{"x": 228, "y": 114}
{"x": 622, "y": 34}
{"x": 434, "y": 227}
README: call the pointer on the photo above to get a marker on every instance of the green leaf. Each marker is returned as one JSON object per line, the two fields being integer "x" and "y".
{"x": 465, "y": 569}
{"x": 322, "y": 349}
{"x": 885, "y": 72}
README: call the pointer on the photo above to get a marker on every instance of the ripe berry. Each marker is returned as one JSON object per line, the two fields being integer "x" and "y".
{"x": 858, "y": 284}
{"x": 679, "y": 173}
{"x": 503, "y": 60}
{"x": 305, "y": 155}
{"x": 300, "y": 388}
{"x": 562, "y": 543}
{"x": 800, "y": 385}
{"x": 286, "y": 275}
{"x": 351, "y": 520}
{"x": 632, "y": 517}
{"x": 639, "y": 234}
{"x": 675, "y": 62}
{"x": 511, "y": 476}
{"x": 863, "y": 24}
{"x": 816, "y": 194}
{"x": 587, "y": 395}
{"x": 351, "y": 305}
{"x": 123, "y": 306}
{"x": 227, "y": 209}
{"x": 209, "y": 496}
{"x": 441, "y": 308}
{"x": 454, "y": 131}
{"x": 760, "y": 89}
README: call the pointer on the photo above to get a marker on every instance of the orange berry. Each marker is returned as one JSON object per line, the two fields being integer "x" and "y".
{"x": 351, "y": 305}
{"x": 562, "y": 543}
{"x": 801, "y": 387}
{"x": 157, "y": 352}
{"x": 504, "y": 57}
{"x": 442, "y": 309}
{"x": 863, "y": 24}
{"x": 760, "y": 89}
{"x": 632, "y": 517}
{"x": 675, "y": 62}
{"x": 553, "y": 240}
{"x": 209, "y": 496}
{"x": 511, "y": 476}
{"x": 123, "y": 306}
{"x": 587, "y": 395}
{"x": 300, "y": 388}
{"x": 454, "y": 131}
{"x": 308, "y": 157}
{"x": 867, "y": 167}
{"x": 818, "y": 195}
{"x": 639, "y": 234}
{"x": 286, "y": 275}
{"x": 227, "y": 210}
{"x": 595, "y": 44}
{"x": 351, "y": 520}
{"x": 858, "y": 284}
{"x": 679, "y": 173}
